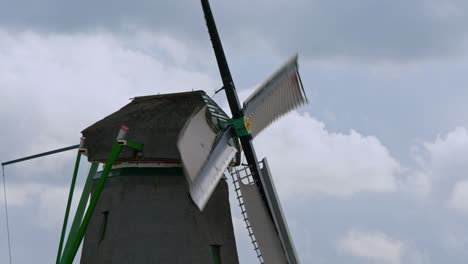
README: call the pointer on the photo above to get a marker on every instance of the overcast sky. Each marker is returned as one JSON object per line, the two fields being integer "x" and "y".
{"x": 373, "y": 170}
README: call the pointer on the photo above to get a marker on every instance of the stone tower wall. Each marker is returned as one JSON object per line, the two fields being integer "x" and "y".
{"x": 147, "y": 216}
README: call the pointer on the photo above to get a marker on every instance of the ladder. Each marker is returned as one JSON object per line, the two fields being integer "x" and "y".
{"x": 244, "y": 175}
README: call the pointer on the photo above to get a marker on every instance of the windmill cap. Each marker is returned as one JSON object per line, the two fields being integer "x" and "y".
{"x": 155, "y": 121}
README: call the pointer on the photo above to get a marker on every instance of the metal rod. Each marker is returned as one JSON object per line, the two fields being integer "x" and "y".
{"x": 232, "y": 98}
{"x": 246, "y": 141}
{"x": 81, "y": 207}
{"x": 40, "y": 155}
{"x": 67, "y": 210}
{"x": 70, "y": 255}
{"x": 223, "y": 66}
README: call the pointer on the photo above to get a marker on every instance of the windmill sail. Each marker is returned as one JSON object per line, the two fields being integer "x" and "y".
{"x": 271, "y": 233}
{"x": 205, "y": 156}
{"x": 264, "y": 230}
{"x": 281, "y": 93}
{"x": 278, "y": 215}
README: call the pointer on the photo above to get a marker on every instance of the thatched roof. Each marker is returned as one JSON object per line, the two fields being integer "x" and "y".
{"x": 155, "y": 121}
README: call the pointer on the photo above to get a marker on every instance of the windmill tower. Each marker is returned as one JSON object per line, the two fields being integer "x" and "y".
{"x": 144, "y": 213}
{"x": 162, "y": 195}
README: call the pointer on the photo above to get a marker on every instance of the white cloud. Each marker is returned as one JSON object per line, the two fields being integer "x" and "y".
{"x": 459, "y": 200}
{"x": 415, "y": 182}
{"x": 455, "y": 241}
{"x": 306, "y": 158}
{"x": 45, "y": 202}
{"x": 448, "y": 151}
{"x": 378, "y": 247}
{"x": 20, "y": 195}
{"x": 52, "y": 204}
{"x": 54, "y": 85}
{"x": 443, "y": 168}
{"x": 374, "y": 245}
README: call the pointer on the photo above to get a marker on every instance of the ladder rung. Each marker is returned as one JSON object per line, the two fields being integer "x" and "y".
{"x": 237, "y": 176}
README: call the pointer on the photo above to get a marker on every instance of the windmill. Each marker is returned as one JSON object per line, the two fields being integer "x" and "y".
{"x": 161, "y": 196}
{"x": 280, "y": 94}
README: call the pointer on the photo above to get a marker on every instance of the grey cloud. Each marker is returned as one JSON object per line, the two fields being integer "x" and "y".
{"x": 39, "y": 61}
{"x": 82, "y": 16}
{"x": 378, "y": 31}
{"x": 363, "y": 30}
{"x": 51, "y": 87}
{"x": 422, "y": 225}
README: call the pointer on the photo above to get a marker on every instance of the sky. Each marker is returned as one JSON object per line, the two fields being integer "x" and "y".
{"x": 372, "y": 170}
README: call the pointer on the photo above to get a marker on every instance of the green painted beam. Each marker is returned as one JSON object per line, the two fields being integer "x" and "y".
{"x": 67, "y": 210}
{"x": 81, "y": 207}
{"x": 134, "y": 145}
{"x": 68, "y": 256}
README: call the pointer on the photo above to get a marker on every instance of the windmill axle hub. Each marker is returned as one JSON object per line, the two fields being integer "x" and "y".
{"x": 241, "y": 126}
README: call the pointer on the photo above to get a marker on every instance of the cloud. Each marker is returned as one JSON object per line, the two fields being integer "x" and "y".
{"x": 377, "y": 247}
{"x": 456, "y": 241}
{"x": 22, "y": 195}
{"x": 307, "y": 159}
{"x": 448, "y": 152}
{"x": 459, "y": 200}
{"x": 396, "y": 31}
{"x": 52, "y": 204}
{"x": 55, "y": 85}
{"x": 46, "y": 202}
{"x": 373, "y": 245}
{"x": 442, "y": 167}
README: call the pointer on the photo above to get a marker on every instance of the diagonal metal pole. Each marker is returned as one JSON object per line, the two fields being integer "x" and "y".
{"x": 6, "y": 213}
{"x": 81, "y": 207}
{"x": 67, "y": 210}
{"x": 228, "y": 83}
{"x": 69, "y": 255}
{"x": 264, "y": 184}
{"x": 40, "y": 155}
{"x": 231, "y": 94}
{"x": 71, "y": 190}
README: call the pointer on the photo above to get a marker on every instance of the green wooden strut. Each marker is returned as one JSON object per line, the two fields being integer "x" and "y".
{"x": 81, "y": 207}
{"x": 70, "y": 254}
{"x": 67, "y": 211}
{"x": 134, "y": 145}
